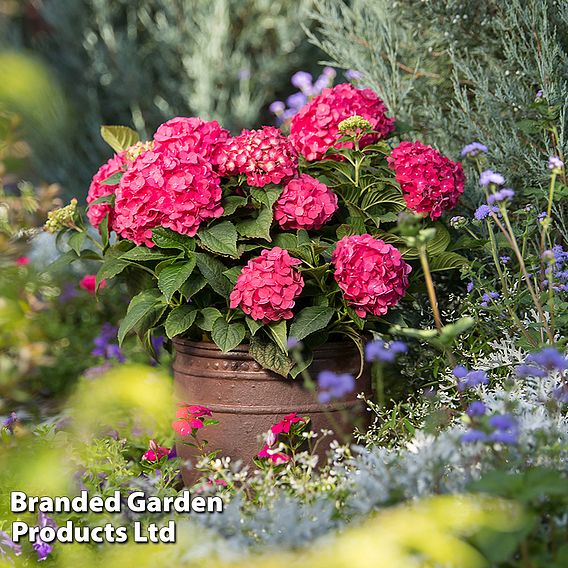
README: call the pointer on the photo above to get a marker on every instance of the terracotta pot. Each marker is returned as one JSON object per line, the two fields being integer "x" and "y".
{"x": 247, "y": 399}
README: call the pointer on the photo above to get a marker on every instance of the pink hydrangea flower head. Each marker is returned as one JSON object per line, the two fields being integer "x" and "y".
{"x": 264, "y": 156}
{"x": 286, "y": 423}
{"x": 430, "y": 181}
{"x": 305, "y": 203}
{"x": 371, "y": 273}
{"x": 96, "y": 213}
{"x": 22, "y": 261}
{"x": 161, "y": 189}
{"x": 275, "y": 456}
{"x": 155, "y": 452}
{"x": 268, "y": 285}
{"x": 315, "y": 128}
{"x": 89, "y": 283}
{"x": 183, "y": 136}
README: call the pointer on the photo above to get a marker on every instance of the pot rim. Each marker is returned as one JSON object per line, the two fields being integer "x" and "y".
{"x": 244, "y": 347}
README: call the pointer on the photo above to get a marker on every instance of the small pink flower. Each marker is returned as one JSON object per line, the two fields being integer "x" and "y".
{"x": 431, "y": 182}
{"x": 276, "y": 457}
{"x": 155, "y": 452}
{"x": 305, "y": 203}
{"x": 264, "y": 155}
{"x": 286, "y": 423}
{"x": 22, "y": 261}
{"x": 89, "y": 283}
{"x": 314, "y": 129}
{"x": 371, "y": 274}
{"x": 190, "y": 418}
{"x": 268, "y": 285}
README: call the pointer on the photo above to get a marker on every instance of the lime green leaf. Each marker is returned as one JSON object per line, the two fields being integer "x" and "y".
{"x": 220, "y": 238}
{"x": 207, "y": 317}
{"x": 119, "y": 138}
{"x": 310, "y": 320}
{"x": 172, "y": 277}
{"x": 227, "y": 335}
{"x": 179, "y": 320}
{"x": 141, "y": 305}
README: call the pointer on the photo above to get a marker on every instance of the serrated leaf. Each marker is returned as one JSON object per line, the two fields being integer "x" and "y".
{"x": 63, "y": 260}
{"x": 231, "y": 203}
{"x": 266, "y": 196}
{"x": 76, "y": 241}
{"x": 207, "y": 318}
{"x": 287, "y": 241}
{"x": 192, "y": 285}
{"x": 212, "y": 270}
{"x": 140, "y": 306}
{"x": 112, "y": 263}
{"x": 114, "y": 179}
{"x": 119, "y": 138}
{"x": 171, "y": 278}
{"x": 269, "y": 356}
{"x": 179, "y": 320}
{"x": 104, "y": 199}
{"x": 253, "y": 325}
{"x": 278, "y": 332}
{"x": 447, "y": 261}
{"x": 166, "y": 238}
{"x": 227, "y": 335}
{"x": 142, "y": 254}
{"x": 233, "y": 273}
{"x": 258, "y": 228}
{"x": 310, "y": 320}
{"x": 104, "y": 231}
{"x": 220, "y": 238}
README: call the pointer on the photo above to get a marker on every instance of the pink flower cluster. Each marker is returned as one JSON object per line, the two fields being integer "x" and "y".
{"x": 89, "y": 283}
{"x": 431, "y": 182}
{"x": 283, "y": 427}
{"x": 314, "y": 129}
{"x": 96, "y": 213}
{"x": 155, "y": 453}
{"x": 163, "y": 189}
{"x": 264, "y": 155}
{"x": 190, "y": 418}
{"x": 305, "y": 203}
{"x": 268, "y": 285}
{"x": 371, "y": 273}
{"x": 181, "y": 136}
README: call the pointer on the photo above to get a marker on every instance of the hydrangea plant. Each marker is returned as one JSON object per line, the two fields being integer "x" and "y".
{"x": 262, "y": 237}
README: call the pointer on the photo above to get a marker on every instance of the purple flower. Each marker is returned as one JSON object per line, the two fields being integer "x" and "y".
{"x": 302, "y": 80}
{"x": 505, "y": 259}
{"x": 530, "y": 371}
{"x": 6, "y": 545}
{"x": 277, "y": 107}
{"x": 293, "y": 343}
{"x": 469, "y": 286}
{"x": 468, "y": 379}
{"x": 352, "y": 75}
{"x": 323, "y": 81}
{"x": 10, "y": 421}
{"x": 561, "y": 394}
{"x": 104, "y": 347}
{"x": 472, "y": 436}
{"x": 157, "y": 344}
{"x": 543, "y": 215}
{"x": 483, "y": 211}
{"x": 296, "y": 101}
{"x": 555, "y": 163}
{"x": 473, "y": 149}
{"x": 501, "y": 195}
{"x": 489, "y": 176}
{"x": 503, "y": 437}
{"x": 549, "y": 358}
{"x": 476, "y": 409}
{"x": 333, "y": 385}
{"x": 68, "y": 293}
{"x": 502, "y": 422}
{"x": 488, "y": 297}
{"x": 378, "y": 350}
{"x": 43, "y": 549}
{"x": 539, "y": 94}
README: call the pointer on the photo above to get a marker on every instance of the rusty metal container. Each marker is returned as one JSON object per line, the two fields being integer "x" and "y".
{"x": 247, "y": 399}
